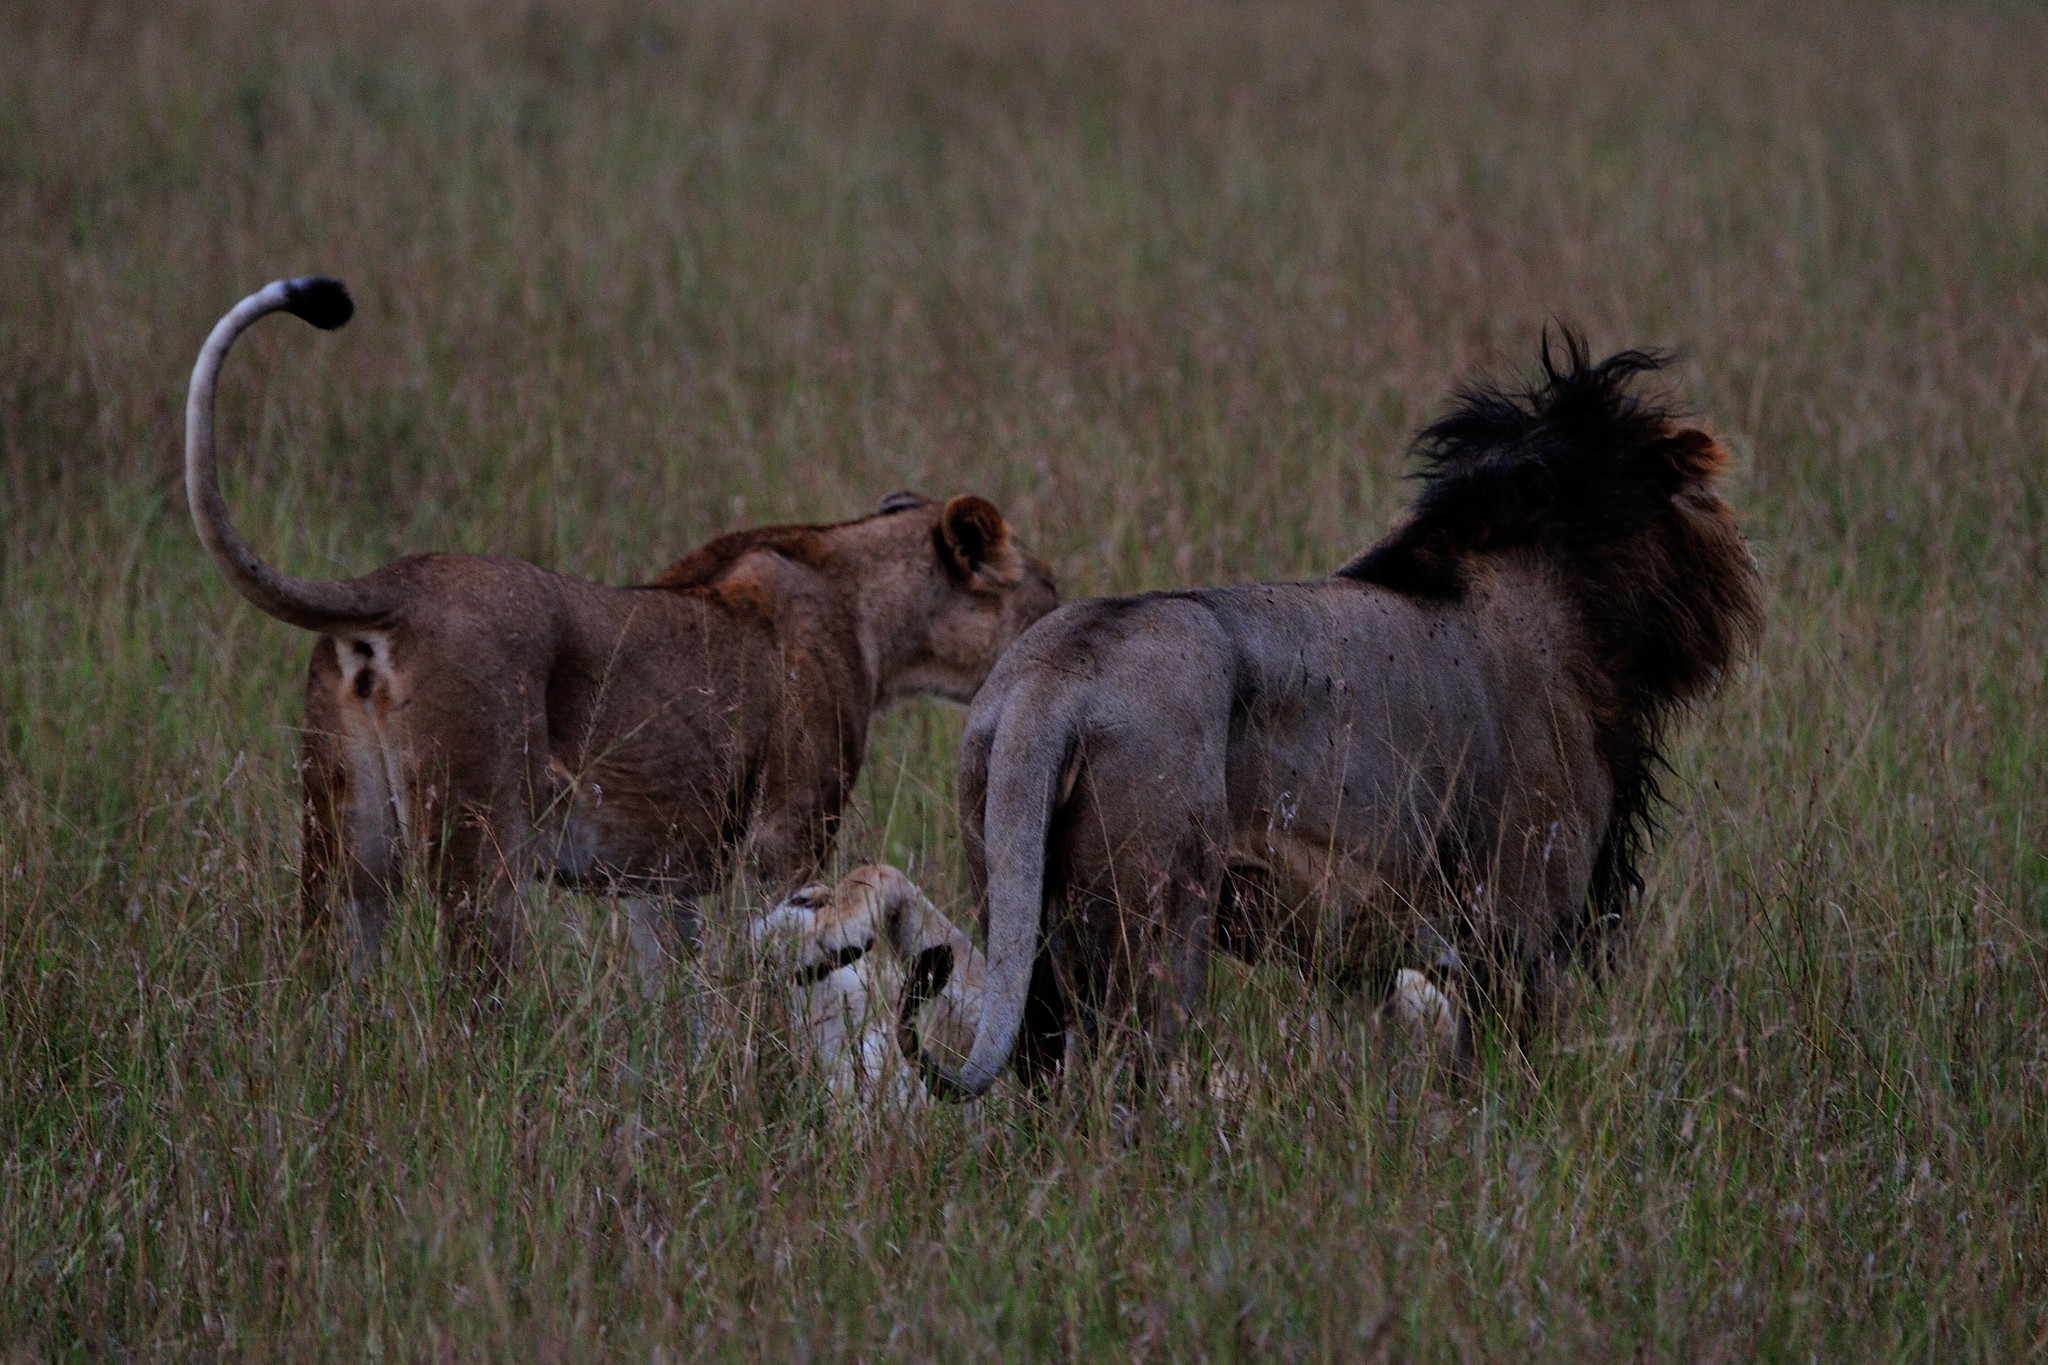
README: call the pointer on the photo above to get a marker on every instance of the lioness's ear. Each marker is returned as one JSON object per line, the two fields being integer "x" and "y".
{"x": 974, "y": 541}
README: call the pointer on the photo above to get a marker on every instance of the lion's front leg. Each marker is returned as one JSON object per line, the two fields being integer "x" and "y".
{"x": 666, "y": 932}
{"x": 477, "y": 872}
{"x": 481, "y": 856}
{"x": 791, "y": 834}
{"x": 1523, "y": 913}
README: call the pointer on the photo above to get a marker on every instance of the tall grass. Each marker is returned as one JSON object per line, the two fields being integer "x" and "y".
{"x": 1172, "y": 283}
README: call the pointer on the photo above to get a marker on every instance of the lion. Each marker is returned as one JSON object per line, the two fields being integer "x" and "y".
{"x": 639, "y": 742}
{"x": 862, "y": 962}
{"x": 1444, "y": 753}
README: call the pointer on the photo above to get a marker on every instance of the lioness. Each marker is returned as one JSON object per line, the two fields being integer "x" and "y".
{"x": 631, "y": 741}
{"x": 1445, "y": 752}
{"x": 875, "y": 974}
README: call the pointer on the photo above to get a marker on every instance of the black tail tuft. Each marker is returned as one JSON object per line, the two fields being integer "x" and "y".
{"x": 928, "y": 976}
{"x": 319, "y": 300}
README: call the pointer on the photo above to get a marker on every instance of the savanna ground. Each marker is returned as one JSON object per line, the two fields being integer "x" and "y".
{"x": 1173, "y": 284}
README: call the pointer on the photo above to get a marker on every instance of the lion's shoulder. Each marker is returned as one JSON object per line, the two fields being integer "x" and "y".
{"x": 712, "y": 561}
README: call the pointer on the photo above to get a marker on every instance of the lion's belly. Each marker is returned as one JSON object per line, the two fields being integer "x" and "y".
{"x": 1320, "y": 877}
{"x": 600, "y": 846}
{"x": 670, "y": 820}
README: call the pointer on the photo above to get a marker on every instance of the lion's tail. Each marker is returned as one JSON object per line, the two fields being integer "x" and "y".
{"x": 310, "y": 604}
{"x": 1032, "y": 749}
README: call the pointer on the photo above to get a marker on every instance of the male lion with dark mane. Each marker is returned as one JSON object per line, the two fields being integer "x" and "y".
{"x": 1446, "y": 752}
{"x": 507, "y": 721}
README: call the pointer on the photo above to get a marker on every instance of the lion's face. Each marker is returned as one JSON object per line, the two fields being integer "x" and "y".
{"x": 844, "y": 953}
{"x": 983, "y": 590}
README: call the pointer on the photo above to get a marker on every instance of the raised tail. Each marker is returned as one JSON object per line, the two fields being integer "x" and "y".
{"x": 1031, "y": 753}
{"x": 322, "y": 605}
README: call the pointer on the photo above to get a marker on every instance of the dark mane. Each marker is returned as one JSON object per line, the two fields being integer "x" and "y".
{"x": 1606, "y": 486}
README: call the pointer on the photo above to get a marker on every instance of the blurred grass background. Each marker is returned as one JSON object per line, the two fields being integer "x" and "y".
{"x": 1173, "y": 283}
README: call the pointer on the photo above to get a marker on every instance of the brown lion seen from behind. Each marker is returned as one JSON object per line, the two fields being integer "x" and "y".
{"x": 500, "y": 722}
{"x": 1444, "y": 753}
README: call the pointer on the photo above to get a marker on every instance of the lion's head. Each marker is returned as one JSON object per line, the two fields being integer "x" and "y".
{"x": 981, "y": 587}
{"x": 849, "y": 954}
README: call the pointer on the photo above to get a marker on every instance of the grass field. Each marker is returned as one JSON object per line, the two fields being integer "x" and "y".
{"x": 1173, "y": 283}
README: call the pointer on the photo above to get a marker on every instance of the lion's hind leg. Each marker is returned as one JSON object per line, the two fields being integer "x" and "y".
{"x": 478, "y": 787}
{"x": 1138, "y": 911}
{"x": 479, "y": 864}
{"x": 352, "y": 825}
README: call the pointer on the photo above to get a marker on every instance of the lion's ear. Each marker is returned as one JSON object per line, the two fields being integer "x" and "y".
{"x": 974, "y": 541}
{"x": 1695, "y": 455}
